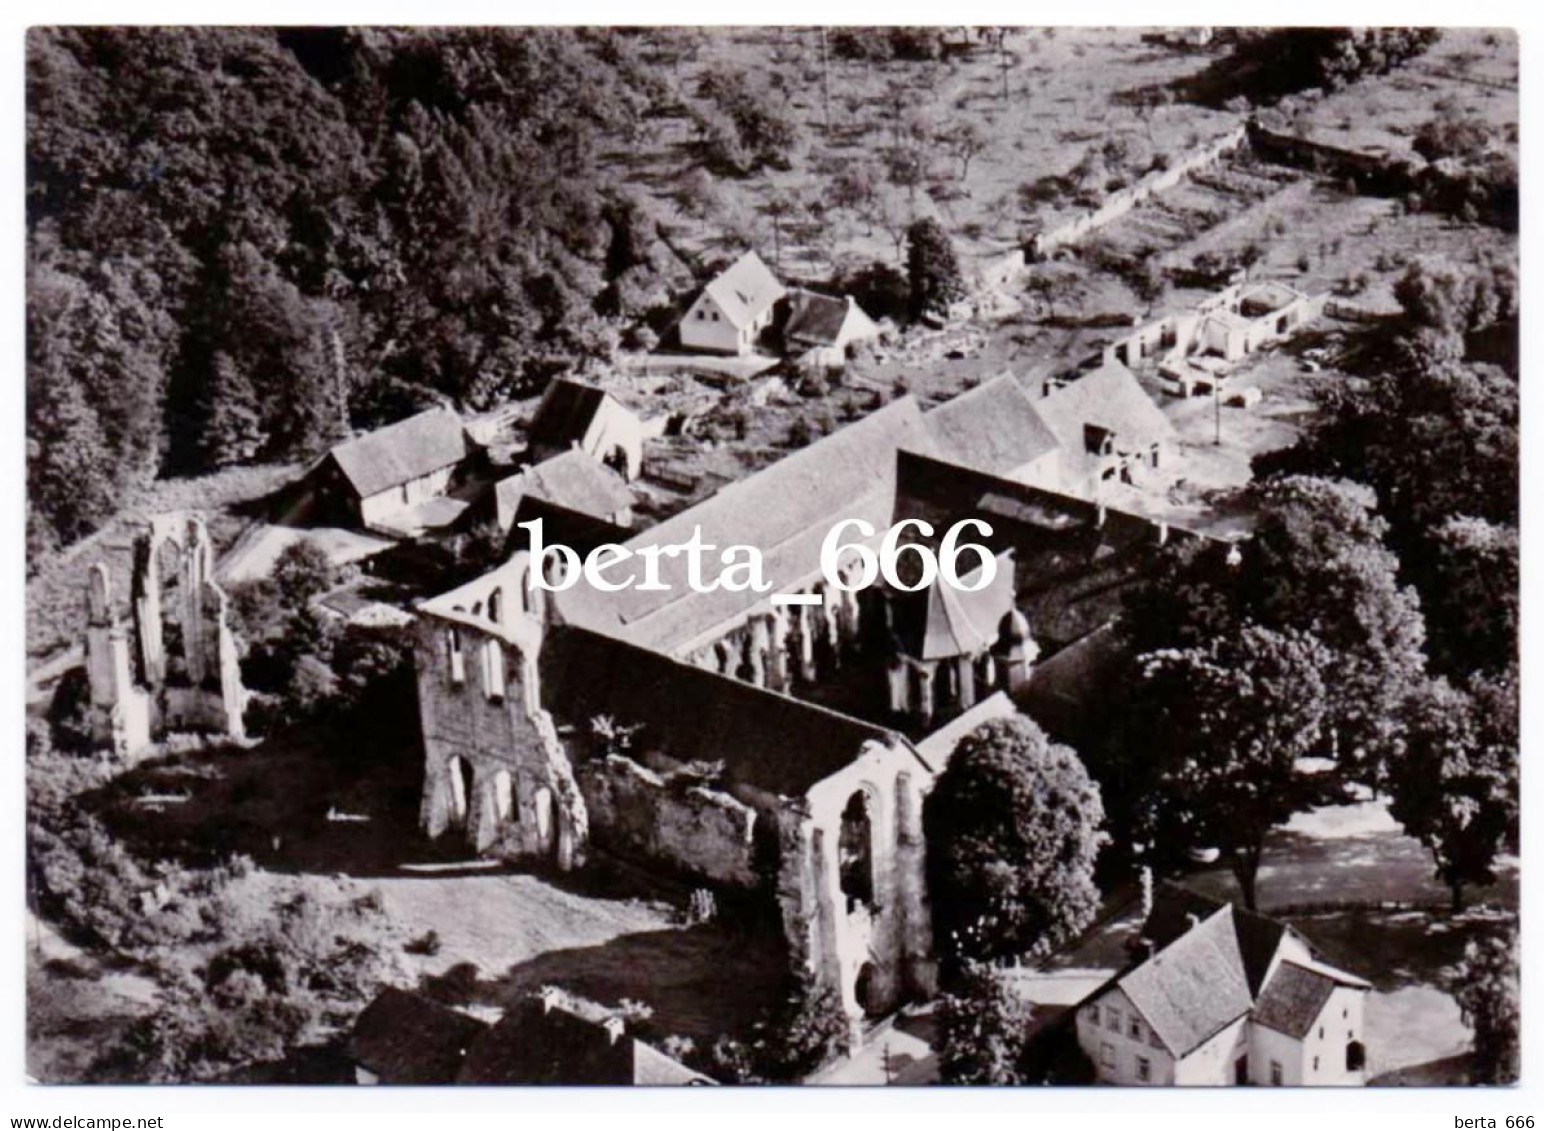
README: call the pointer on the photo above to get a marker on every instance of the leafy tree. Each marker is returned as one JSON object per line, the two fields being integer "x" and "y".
{"x": 1472, "y": 607}
{"x": 1226, "y": 723}
{"x": 1012, "y": 835}
{"x": 1487, "y": 988}
{"x": 1316, "y": 564}
{"x": 1454, "y": 786}
{"x": 981, "y": 1028}
{"x": 932, "y": 268}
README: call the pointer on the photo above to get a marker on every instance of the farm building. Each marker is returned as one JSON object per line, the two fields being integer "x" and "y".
{"x": 821, "y": 327}
{"x": 395, "y": 479}
{"x": 574, "y": 415}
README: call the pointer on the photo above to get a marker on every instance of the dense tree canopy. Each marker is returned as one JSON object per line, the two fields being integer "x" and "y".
{"x": 241, "y": 242}
{"x": 1223, "y": 727}
{"x": 1013, "y": 830}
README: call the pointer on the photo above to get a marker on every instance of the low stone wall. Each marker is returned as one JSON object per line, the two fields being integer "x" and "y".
{"x": 693, "y": 829}
{"x": 1117, "y": 204}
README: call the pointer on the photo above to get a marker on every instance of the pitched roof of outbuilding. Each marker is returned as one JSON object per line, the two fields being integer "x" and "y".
{"x": 401, "y": 452}
{"x": 571, "y": 479}
{"x": 765, "y": 739}
{"x": 1110, "y": 398}
{"x": 1293, "y": 999}
{"x": 406, "y": 1038}
{"x": 785, "y": 510}
{"x": 745, "y": 289}
{"x": 994, "y": 427}
{"x": 565, "y": 412}
{"x": 820, "y": 320}
{"x": 537, "y": 1044}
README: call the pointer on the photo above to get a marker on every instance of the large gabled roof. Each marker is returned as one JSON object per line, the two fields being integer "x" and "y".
{"x": 571, "y": 479}
{"x": 745, "y": 289}
{"x": 1194, "y": 988}
{"x": 994, "y": 427}
{"x": 401, "y": 452}
{"x": 785, "y": 511}
{"x": 1109, "y": 398}
{"x": 765, "y": 739}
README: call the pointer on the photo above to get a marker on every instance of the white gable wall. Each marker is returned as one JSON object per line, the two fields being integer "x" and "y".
{"x": 1212, "y": 1062}
{"x": 1106, "y": 1035}
{"x": 707, "y": 327}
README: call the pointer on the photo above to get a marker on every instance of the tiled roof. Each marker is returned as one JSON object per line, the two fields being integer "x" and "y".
{"x": 536, "y": 1044}
{"x": 745, "y": 289}
{"x": 993, "y": 428}
{"x": 785, "y": 510}
{"x": 406, "y": 1038}
{"x": 819, "y": 320}
{"x": 565, "y": 412}
{"x": 765, "y": 739}
{"x": 1293, "y": 999}
{"x": 1109, "y": 398}
{"x": 570, "y": 479}
{"x": 401, "y": 452}
{"x": 1192, "y": 989}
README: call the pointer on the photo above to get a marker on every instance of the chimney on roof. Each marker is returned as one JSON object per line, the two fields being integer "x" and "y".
{"x": 1192, "y": 920}
{"x": 549, "y": 996}
{"x": 614, "y": 1027}
{"x": 1163, "y": 533}
{"x": 1100, "y": 521}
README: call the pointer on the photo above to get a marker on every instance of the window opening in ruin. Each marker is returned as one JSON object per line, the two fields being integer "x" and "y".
{"x": 457, "y": 660}
{"x": 866, "y": 993}
{"x": 616, "y": 460}
{"x": 493, "y": 670}
{"x": 1356, "y": 1057}
{"x": 496, "y": 606}
{"x": 504, "y": 797}
{"x": 855, "y": 852}
{"x": 460, "y": 790}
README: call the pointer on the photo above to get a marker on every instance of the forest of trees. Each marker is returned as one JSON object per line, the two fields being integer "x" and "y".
{"x": 242, "y": 243}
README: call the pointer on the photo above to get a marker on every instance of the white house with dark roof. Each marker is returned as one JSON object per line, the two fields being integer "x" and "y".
{"x": 732, "y": 311}
{"x": 1219, "y": 995}
{"x": 394, "y": 479}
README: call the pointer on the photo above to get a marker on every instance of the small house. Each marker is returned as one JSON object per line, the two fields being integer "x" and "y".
{"x": 732, "y": 310}
{"x": 1108, "y": 427}
{"x": 821, "y": 327}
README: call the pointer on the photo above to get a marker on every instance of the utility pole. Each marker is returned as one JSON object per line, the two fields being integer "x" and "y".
{"x": 1217, "y": 411}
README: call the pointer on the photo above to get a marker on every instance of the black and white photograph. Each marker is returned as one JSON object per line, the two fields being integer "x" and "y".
{"x": 732, "y": 556}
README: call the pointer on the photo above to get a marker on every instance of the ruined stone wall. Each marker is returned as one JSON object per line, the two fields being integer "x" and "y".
{"x": 136, "y": 694}
{"x": 495, "y": 771}
{"x": 693, "y": 829}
